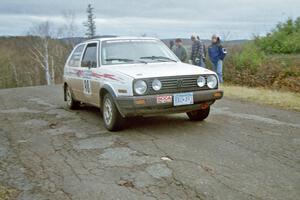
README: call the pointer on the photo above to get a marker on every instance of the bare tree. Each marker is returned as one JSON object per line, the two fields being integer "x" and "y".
{"x": 70, "y": 19}
{"x": 40, "y": 48}
{"x": 90, "y": 24}
{"x": 15, "y": 73}
{"x": 69, "y": 28}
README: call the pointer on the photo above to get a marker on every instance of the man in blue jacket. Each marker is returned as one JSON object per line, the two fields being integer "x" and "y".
{"x": 217, "y": 54}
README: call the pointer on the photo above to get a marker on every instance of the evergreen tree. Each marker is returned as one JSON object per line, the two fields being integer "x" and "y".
{"x": 90, "y": 24}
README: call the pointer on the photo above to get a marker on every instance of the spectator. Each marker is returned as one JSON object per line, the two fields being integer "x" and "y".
{"x": 204, "y": 50}
{"x": 171, "y": 45}
{"x": 203, "y": 56}
{"x": 217, "y": 54}
{"x": 180, "y": 51}
{"x": 197, "y": 54}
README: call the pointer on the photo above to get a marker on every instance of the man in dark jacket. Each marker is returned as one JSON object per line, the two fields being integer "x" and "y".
{"x": 180, "y": 51}
{"x": 197, "y": 54}
{"x": 217, "y": 54}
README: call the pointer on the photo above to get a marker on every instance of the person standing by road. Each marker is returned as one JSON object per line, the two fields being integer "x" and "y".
{"x": 171, "y": 45}
{"x": 203, "y": 51}
{"x": 180, "y": 51}
{"x": 197, "y": 52}
{"x": 217, "y": 54}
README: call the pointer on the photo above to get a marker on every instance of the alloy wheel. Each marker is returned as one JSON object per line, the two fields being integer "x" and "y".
{"x": 107, "y": 111}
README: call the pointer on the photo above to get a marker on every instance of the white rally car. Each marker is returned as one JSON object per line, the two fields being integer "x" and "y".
{"x": 133, "y": 76}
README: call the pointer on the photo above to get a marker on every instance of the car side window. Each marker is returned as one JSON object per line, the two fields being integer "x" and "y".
{"x": 75, "y": 58}
{"x": 90, "y": 56}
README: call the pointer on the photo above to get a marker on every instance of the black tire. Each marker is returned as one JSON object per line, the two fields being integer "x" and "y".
{"x": 113, "y": 121}
{"x": 199, "y": 115}
{"x": 71, "y": 102}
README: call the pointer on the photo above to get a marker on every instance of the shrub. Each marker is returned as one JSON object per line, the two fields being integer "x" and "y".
{"x": 269, "y": 61}
{"x": 250, "y": 58}
{"x": 285, "y": 38}
{"x": 250, "y": 67}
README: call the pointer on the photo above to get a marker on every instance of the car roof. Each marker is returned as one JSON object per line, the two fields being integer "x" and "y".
{"x": 120, "y": 38}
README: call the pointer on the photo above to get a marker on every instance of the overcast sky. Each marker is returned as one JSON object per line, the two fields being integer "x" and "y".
{"x": 240, "y": 19}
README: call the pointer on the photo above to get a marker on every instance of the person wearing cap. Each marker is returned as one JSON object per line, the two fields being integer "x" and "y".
{"x": 217, "y": 54}
{"x": 180, "y": 51}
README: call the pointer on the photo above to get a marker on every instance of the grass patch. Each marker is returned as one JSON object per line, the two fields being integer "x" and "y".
{"x": 7, "y": 193}
{"x": 282, "y": 99}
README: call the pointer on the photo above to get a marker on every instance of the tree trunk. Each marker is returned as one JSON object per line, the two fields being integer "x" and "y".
{"x": 14, "y": 70}
{"x": 52, "y": 71}
{"x": 46, "y": 62}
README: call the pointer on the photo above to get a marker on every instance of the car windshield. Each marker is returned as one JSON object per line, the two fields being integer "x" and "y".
{"x": 135, "y": 51}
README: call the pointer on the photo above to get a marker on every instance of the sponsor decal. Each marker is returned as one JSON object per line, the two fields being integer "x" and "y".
{"x": 80, "y": 73}
{"x": 164, "y": 99}
{"x": 108, "y": 76}
{"x": 88, "y": 74}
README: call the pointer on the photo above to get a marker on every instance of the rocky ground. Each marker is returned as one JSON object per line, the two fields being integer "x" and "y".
{"x": 242, "y": 151}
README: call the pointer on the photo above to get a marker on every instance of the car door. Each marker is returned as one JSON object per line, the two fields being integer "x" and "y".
{"x": 89, "y": 63}
{"x": 73, "y": 71}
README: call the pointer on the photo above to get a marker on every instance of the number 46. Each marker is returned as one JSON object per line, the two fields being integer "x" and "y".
{"x": 87, "y": 86}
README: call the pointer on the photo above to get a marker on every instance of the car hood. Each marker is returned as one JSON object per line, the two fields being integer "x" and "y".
{"x": 151, "y": 70}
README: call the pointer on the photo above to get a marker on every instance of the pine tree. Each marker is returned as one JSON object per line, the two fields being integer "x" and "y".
{"x": 90, "y": 24}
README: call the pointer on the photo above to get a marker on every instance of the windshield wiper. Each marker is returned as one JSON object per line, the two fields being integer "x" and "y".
{"x": 161, "y": 58}
{"x": 125, "y": 60}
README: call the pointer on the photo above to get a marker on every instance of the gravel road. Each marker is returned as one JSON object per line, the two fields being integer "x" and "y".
{"x": 242, "y": 151}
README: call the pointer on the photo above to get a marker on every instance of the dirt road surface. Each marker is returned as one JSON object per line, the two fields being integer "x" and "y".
{"x": 242, "y": 151}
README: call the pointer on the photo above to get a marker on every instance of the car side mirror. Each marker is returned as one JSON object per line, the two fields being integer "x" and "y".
{"x": 87, "y": 64}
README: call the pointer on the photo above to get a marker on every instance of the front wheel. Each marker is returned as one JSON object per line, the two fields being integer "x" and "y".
{"x": 199, "y": 115}
{"x": 112, "y": 118}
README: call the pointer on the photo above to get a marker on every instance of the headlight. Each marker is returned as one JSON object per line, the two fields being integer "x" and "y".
{"x": 156, "y": 85}
{"x": 201, "y": 81}
{"x": 212, "y": 81}
{"x": 140, "y": 87}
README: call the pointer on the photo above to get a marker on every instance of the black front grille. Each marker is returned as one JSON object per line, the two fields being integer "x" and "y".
{"x": 176, "y": 84}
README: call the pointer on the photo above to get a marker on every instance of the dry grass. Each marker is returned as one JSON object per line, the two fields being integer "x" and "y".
{"x": 7, "y": 193}
{"x": 282, "y": 99}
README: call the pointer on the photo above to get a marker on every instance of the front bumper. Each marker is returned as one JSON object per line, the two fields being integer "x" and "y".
{"x": 148, "y": 105}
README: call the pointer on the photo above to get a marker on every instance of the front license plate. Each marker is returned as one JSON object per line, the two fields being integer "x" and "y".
{"x": 183, "y": 99}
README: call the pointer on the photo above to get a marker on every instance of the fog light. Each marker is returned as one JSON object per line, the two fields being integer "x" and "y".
{"x": 140, "y": 102}
{"x": 217, "y": 94}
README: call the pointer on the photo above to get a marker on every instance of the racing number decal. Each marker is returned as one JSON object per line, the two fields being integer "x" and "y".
{"x": 87, "y": 89}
